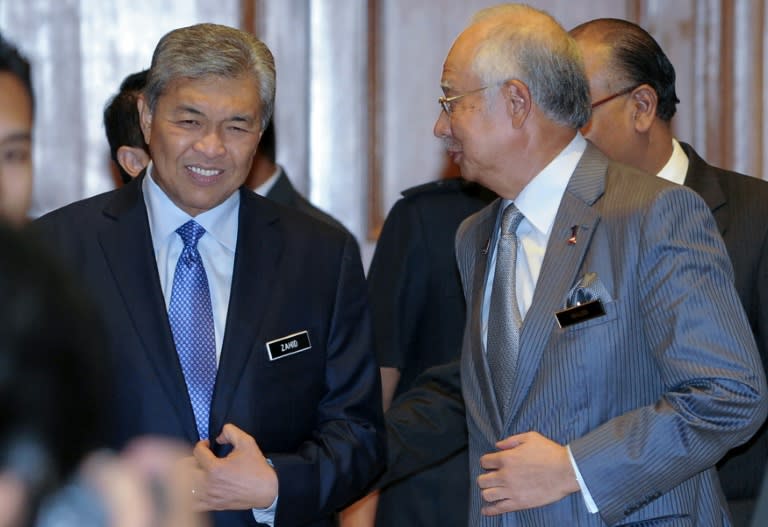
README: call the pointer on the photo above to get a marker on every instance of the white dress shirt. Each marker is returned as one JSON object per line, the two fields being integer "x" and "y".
{"x": 538, "y": 202}
{"x": 264, "y": 188}
{"x": 216, "y": 246}
{"x": 217, "y": 250}
{"x": 677, "y": 165}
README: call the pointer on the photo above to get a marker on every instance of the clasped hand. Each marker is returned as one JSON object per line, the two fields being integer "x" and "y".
{"x": 242, "y": 480}
{"x": 529, "y": 470}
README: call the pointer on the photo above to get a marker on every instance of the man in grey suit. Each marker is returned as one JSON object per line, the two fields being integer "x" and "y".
{"x": 604, "y": 383}
{"x": 632, "y": 83}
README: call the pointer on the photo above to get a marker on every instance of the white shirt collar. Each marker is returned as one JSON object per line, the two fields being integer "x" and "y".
{"x": 677, "y": 165}
{"x": 165, "y": 217}
{"x": 264, "y": 188}
{"x": 536, "y": 201}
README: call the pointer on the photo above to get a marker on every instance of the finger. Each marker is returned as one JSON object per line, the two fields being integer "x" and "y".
{"x": 488, "y": 480}
{"x": 510, "y": 442}
{"x": 187, "y": 465}
{"x": 236, "y": 437}
{"x": 491, "y": 461}
{"x": 203, "y": 455}
{"x": 498, "y": 507}
{"x": 229, "y": 434}
{"x": 494, "y": 495}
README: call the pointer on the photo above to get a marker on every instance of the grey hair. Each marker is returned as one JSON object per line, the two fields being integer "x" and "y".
{"x": 197, "y": 51}
{"x": 541, "y": 55}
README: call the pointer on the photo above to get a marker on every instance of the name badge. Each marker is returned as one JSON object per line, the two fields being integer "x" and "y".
{"x": 581, "y": 313}
{"x": 290, "y": 345}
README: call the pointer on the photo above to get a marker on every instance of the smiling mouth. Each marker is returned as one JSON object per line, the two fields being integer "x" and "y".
{"x": 205, "y": 172}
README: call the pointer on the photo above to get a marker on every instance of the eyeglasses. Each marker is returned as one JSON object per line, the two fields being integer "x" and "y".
{"x": 613, "y": 96}
{"x": 447, "y": 102}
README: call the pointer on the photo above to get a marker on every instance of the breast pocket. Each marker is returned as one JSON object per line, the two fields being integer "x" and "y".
{"x": 611, "y": 312}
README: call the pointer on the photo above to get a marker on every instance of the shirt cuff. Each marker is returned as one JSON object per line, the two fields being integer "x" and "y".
{"x": 266, "y": 515}
{"x": 588, "y": 501}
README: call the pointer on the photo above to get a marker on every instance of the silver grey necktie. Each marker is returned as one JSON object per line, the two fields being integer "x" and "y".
{"x": 504, "y": 320}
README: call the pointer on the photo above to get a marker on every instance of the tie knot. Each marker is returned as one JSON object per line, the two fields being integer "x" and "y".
{"x": 190, "y": 233}
{"x": 510, "y": 219}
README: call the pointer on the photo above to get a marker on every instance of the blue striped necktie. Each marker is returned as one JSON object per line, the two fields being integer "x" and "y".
{"x": 191, "y": 319}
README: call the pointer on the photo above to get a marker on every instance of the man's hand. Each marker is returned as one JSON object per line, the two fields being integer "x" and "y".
{"x": 242, "y": 480}
{"x": 528, "y": 471}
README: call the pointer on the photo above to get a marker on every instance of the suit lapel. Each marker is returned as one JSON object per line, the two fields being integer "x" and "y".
{"x": 704, "y": 180}
{"x": 259, "y": 246}
{"x": 127, "y": 247}
{"x": 561, "y": 263}
{"x": 483, "y": 238}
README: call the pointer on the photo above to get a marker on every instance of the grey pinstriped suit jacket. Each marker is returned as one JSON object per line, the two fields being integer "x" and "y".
{"x": 650, "y": 395}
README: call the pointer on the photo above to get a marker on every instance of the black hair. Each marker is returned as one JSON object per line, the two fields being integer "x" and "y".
{"x": 13, "y": 62}
{"x": 267, "y": 145}
{"x": 639, "y": 59}
{"x": 121, "y": 118}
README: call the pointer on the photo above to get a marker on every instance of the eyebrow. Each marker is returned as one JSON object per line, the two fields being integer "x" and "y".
{"x": 237, "y": 118}
{"x": 242, "y": 119}
{"x": 188, "y": 109}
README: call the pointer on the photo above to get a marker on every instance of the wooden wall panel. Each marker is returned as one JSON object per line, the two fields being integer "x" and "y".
{"x": 387, "y": 93}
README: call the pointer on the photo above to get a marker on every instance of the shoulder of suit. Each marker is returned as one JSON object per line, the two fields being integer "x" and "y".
{"x": 754, "y": 187}
{"x": 436, "y": 187}
{"x": 111, "y": 202}
{"x": 448, "y": 186}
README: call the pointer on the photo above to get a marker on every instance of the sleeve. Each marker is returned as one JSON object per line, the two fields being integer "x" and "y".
{"x": 426, "y": 424}
{"x": 761, "y": 287}
{"x": 397, "y": 283}
{"x": 693, "y": 324}
{"x": 347, "y": 451}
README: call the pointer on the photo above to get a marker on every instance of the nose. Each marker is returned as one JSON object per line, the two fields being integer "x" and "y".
{"x": 442, "y": 125}
{"x": 211, "y": 144}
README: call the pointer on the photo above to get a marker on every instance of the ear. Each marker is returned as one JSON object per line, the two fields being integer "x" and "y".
{"x": 133, "y": 159}
{"x": 644, "y": 101}
{"x": 145, "y": 117}
{"x": 517, "y": 99}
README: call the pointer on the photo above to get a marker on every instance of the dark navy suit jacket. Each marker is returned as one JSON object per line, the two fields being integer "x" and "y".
{"x": 315, "y": 414}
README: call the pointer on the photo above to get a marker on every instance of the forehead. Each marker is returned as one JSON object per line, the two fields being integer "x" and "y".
{"x": 213, "y": 94}
{"x": 15, "y": 105}
{"x": 457, "y": 68}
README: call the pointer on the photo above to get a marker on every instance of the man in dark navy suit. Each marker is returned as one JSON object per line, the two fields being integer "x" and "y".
{"x": 269, "y": 369}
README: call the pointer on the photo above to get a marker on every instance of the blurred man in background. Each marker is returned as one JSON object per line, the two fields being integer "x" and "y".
{"x": 16, "y": 119}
